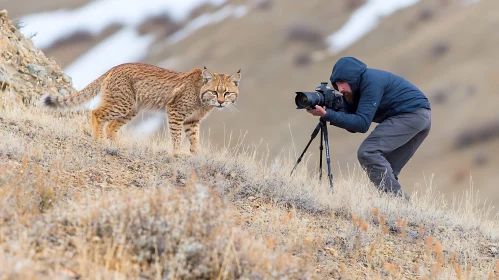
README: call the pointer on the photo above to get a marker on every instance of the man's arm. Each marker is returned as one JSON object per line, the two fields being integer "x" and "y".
{"x": 370, "y": 98}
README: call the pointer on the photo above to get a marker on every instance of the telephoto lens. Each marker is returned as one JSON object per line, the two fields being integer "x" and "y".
{"x": 308, "y": 100}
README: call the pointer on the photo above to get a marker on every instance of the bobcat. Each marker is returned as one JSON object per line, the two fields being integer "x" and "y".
{"x": 127, "y": 88}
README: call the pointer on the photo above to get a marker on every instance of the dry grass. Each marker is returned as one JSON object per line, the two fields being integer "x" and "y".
{"x": 166, "y": 231}
{"x": 72, "y": 207}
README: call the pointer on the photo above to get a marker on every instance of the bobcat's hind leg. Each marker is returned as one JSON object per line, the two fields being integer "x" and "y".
{"x": 114, "y": 125}
{"x": 98, "y": 121}
{"x": 116, "y": 104}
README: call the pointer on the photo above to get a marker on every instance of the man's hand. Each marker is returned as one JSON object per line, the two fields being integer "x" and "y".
{"x": 318, "y": 111}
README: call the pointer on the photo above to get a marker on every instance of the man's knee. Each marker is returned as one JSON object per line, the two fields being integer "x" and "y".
{"x": 364, "y": 156}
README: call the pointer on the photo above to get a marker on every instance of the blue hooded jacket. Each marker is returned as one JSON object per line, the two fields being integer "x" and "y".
{"x": 377, "y": 95}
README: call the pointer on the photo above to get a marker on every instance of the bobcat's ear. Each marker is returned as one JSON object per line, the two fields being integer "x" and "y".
{"x": 236, "y": 78}
{"x": 207, "y": 75}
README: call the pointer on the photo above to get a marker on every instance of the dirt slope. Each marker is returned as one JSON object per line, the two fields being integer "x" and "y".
{"x": 74, "y": 208}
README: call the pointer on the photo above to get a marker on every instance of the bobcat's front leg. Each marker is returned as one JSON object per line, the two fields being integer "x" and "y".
{"x": 175, "y": 121}
{"x": 192, "y": 132}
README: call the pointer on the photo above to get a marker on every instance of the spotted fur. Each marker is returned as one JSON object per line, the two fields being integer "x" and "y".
{"x": 187, "y": 98}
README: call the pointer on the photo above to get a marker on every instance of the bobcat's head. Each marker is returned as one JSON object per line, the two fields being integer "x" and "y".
{"x": 219, "y": 90}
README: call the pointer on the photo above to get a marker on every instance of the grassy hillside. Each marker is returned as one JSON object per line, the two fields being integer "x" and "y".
{"x": 74, "y": 208}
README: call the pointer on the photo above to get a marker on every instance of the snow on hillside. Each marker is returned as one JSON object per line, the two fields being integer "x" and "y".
{"x": 127, "y": 45}
{"x": 363, "y": 20}
{"x": 207, "y": 19}
{"x": 97, "y": 15}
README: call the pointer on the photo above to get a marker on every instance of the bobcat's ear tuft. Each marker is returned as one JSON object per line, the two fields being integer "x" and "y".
{"x": 236, "y": 78}
{"x": 207, "y": 76}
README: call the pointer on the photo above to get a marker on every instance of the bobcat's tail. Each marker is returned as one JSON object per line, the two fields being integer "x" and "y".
{"x": 74, "y": 99}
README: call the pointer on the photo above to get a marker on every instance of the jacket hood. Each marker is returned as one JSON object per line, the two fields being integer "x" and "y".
{"x": 348, "y": 69}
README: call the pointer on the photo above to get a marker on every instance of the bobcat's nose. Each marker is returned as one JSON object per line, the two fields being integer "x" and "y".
{"x": 220, "y": 101}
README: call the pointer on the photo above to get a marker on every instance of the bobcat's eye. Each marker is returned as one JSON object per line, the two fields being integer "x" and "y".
{"x": 227, "y": 94}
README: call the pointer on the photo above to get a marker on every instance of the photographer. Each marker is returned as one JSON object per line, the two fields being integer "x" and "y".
{"x": 401, "y": 110}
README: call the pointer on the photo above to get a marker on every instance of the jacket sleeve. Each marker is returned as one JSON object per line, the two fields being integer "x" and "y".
{"x": 361, "y": 120}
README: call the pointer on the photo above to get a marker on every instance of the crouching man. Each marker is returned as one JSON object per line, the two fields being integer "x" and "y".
{"x": 401, "y": 110}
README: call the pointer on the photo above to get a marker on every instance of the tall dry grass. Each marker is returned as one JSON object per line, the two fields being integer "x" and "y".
{"x": 244, "y": 217}
{"x": 156, "y": 233}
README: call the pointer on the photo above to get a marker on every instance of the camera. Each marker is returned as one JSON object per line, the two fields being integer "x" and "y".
{"x": 322, "y": 96}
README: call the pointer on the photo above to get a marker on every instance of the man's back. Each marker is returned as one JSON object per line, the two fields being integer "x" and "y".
{"x": 377, "y": 95}
{"x": 399, "y": 95}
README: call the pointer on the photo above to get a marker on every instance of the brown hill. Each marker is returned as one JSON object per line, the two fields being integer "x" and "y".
{"x": 74, "y": 208}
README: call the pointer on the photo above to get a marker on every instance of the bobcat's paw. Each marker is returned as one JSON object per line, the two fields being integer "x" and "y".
{"x": 181, "y": 154}
{"x": 195, "y": 151}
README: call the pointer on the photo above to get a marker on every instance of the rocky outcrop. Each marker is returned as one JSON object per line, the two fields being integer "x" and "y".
{"x": 25, "y": 72}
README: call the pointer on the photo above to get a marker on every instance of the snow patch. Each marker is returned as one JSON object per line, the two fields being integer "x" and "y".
{"x": 363, "y": 20}
{"x": 208, "y": 19}
{"x": 124, "y": 46}
{"x": 97, "y": 15}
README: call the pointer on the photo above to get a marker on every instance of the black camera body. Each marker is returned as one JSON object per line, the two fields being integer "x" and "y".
{"x": 322, "y": 96}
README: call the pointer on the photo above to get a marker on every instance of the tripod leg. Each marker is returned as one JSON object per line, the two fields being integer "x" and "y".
{"x": 328, "y": 160}
{"x": 314, "y": 134}
{"x": 321, "y": 148}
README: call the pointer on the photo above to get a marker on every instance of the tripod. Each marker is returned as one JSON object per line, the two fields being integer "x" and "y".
{"x": 322, "y": 126}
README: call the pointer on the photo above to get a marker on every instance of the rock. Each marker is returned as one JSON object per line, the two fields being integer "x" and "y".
{"x": 494, "y": 250}
{"x": 109, "y": 151}
{"x": 66, "y": 78}
{"x": 49, "y": 70}
{"x": 38, "y": 71}
{"x": 136, "y": 183}
{"x": 412, "y": 233}
{"x": 167, "y": 173}
{"x": 33, "y": 68}
{"x": 63, "y": 91}
{"x": 42, "y": 74}
{"x": 3, "y": 78}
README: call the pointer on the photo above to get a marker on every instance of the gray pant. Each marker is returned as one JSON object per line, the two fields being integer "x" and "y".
{"x": 390, "y": 145}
